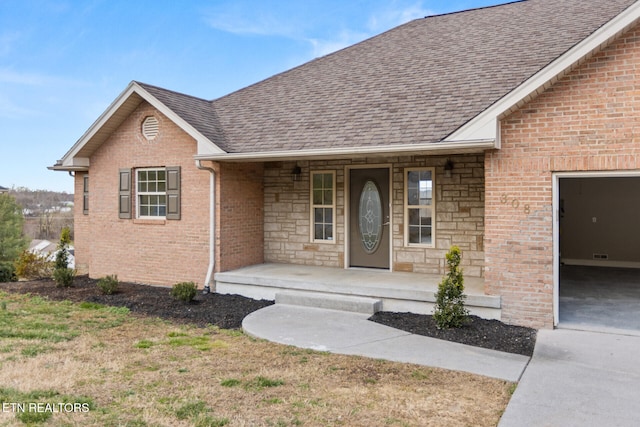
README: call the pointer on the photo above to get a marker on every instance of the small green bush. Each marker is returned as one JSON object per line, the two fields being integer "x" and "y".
{"x": 7, "y": 272}
{"x": 108, "y": 284}
{"x": 62, "y": 255}
{"x": 62, "y": 274}
{"x": 33, "y": 266}
{"x": 450, "y": 311}
{"x": 185, "y": 291}
{"x": 64, "y": 277}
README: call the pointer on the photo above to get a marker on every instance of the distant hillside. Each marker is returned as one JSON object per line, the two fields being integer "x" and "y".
{"x": 35, "y": 202}
{"x": 45, "y": 212}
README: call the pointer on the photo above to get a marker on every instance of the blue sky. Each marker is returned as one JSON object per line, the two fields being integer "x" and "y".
{"x": 63, "y": 62}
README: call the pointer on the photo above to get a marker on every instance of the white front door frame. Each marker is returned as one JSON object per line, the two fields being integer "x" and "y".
{"x": 556, "y": 177}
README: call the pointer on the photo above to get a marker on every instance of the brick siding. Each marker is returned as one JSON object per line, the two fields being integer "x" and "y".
{"x": 148, "y": 251}
{"x": 587, "y": 121}
{"x": 239, "y": 206}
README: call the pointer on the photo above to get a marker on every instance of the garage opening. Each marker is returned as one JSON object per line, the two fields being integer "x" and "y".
{"x": 599, "y": 252}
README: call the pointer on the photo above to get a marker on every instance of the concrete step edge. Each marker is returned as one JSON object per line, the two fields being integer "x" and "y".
{"x": 330, "y": 301}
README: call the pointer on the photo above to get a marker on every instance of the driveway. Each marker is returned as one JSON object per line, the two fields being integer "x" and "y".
{"x": 578, "y": 378}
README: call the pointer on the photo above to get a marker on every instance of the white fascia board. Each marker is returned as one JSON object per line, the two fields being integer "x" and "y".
{"x": 435, "y": 148}
{"x": 486, "y": 124}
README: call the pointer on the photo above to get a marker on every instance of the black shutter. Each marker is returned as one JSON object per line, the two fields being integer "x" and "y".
{"x": 85, "y": 194}
{"x": 124, "y": 191}
{"x": 173, "y": 192}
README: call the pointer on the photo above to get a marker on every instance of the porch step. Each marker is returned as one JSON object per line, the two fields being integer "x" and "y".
{"x": 398, "y": 291}
{"x": 330, "y": 301}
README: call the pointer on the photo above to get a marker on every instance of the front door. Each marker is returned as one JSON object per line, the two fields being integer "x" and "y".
{"x": 369, "y": 237}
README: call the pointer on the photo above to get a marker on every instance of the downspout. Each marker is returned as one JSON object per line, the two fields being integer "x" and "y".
{"x": 212, "y": 226}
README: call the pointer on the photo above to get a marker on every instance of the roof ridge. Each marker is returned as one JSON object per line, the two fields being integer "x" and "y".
{"x": 457, "y": 12}
{"x": 352, "y": 46}
{"x": 147, "y": 85}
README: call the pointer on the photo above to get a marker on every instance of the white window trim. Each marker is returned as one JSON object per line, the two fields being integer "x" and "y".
{"x": 313, "y": 206}
{"x": 147, "y": 193}
{"x": 432, "y": 206}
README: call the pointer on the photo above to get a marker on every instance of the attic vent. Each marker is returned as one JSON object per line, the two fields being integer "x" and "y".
{"x": 150, "y": 128}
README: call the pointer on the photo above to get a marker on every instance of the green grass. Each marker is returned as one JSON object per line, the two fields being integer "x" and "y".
{"x": 31, "y": 325}
{"x": 183, "y": 339}
{"x": 201, "y": 342}
{"x": 230, "y": 382}
{"x": 191, "y": 410}
{"x": 198, "y": 413}
{"x": 34, "y": 350}
{"x": 144, "y": 344}
{"x": 261, "y": 382}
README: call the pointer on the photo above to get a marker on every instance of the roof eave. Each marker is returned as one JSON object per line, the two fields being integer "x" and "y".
{"x": 114, "y": 116}
{"x": 58, "y": 167}
{"x": 435, "y": 148}
{"x": 487, "y": 123}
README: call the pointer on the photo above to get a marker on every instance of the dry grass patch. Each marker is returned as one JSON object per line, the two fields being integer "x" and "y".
{"x": 148, "y": 372}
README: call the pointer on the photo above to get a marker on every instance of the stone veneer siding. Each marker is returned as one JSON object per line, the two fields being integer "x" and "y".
{"x": 160, "y": 252}
{"x": 459, "y": 213}
{"x": 587, "y": 121}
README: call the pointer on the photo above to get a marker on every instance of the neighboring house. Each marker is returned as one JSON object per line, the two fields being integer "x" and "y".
{"x": 49, "y": 249}
{"x": 3, "y": 190}
{"x": 472, "y": 129}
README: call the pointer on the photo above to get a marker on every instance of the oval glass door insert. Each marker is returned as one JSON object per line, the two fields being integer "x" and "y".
{"x": 370, "y": 217}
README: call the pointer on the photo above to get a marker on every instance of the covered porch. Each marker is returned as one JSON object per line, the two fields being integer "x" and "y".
{"x": 363, "y": 290}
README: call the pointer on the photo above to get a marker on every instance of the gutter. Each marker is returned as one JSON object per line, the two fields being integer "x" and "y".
{"x": 444, "y": 147}
{"x": 212, "y": 226}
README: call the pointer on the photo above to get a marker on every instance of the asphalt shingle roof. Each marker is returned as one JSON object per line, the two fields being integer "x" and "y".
{"x": 198, "y": 112}
{"x": 416, "y": 83}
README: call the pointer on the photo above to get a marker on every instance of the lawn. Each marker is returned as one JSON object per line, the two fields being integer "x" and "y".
{"x": 64, "y": 363}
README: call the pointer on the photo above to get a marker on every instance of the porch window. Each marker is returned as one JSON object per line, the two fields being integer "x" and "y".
{"x": 419, "y": 207}
{"x": 323, "y": 206}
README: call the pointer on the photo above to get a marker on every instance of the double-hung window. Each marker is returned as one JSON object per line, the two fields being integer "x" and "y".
{"x": 323, "y": 206}
{"x": 155, "y": 195}
{"x": 152, "y": 193}
{"x": 419, "y": 207}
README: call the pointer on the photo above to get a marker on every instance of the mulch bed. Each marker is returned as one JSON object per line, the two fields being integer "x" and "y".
{"x": 227, "y": 311}
{"x": 491, "y": 334}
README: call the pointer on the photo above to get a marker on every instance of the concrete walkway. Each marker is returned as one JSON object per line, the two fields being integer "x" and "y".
{"x": 351, "y": 333}
{"x": 574, "y": 378}
{"x": 578, "y": 378}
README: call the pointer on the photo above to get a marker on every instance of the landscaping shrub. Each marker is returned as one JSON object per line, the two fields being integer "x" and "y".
{"x": 108, "y": 284}
{"x": 64, "y": 277}
{"x": 7, "y": 272}
{"x": 62, "y": 255}
{"x": 184, "y": 291}
{"x": 33, "y": 266}
{"x": 62, "y": 274}
{"x": 450, "y": 311}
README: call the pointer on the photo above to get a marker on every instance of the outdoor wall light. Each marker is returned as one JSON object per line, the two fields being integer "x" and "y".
{"x": 296, "y": 173}
{"x": 448, "y": 167}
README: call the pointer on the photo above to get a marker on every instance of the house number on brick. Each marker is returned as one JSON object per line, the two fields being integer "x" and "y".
{"x": 514, "y": 202}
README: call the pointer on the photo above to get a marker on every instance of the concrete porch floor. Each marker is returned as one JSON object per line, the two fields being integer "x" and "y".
{"x": 397, "y": 291}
